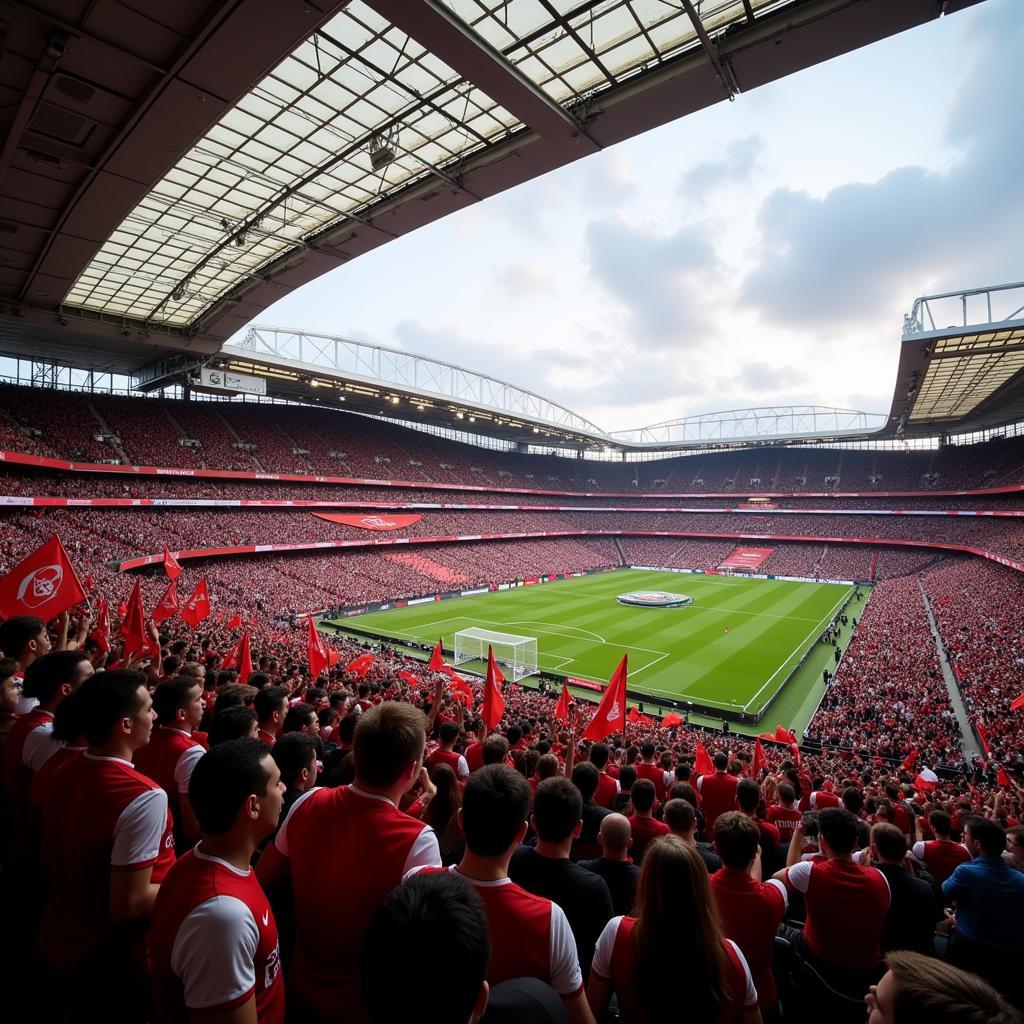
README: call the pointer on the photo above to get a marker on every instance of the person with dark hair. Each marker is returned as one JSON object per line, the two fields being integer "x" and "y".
{"x": 302, "y": 718}
{"x": 67, "y": 731}
{"x": 653, "y": 773}
{"x": 919, "y": 989}
{"x": 585, "y": 778}
{"x": 446, "y": 753}
{"x": 988, "y": 936}
{"x": 10, "y": 696}
{"x": 1014, "y": 852}
{"x": 236, "y": 695}
{"x": 607, "y": 786}
{"x": 295, "y": 755}
{"x": 614, "y": 866}
{"x": 495, "y": 749}
{"x": 213, "y": 936}
{"x": 785, "y": 815}
{"x": 748, "y": 798}
{"x": 107, "y": 845}
{"x": 547, "y": 871}
{"x": 717, "y": 792}
{"x": 646, "y": 828}
{"x": 361, "y": 833}
{"x": 941, "y": 856}
{"x": 271, "y": 706}
{"x": 442, "y": 813}
{"x": 750, "y": 910}
{"x": 910, "y": 923}
{"x": 846, "y": 904}
{"x": 235, "y": 722}
{"x": 681, "y": 819}
{"x": 171, "y": 753}
{"x": 672, "y": 946}
{"x": 49, "y": 679}
{"x": 24, "y": 638}
{"x": 530, "y": 935}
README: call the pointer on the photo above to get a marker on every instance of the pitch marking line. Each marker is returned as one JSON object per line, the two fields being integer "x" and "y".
{"x": 539, "y": 622}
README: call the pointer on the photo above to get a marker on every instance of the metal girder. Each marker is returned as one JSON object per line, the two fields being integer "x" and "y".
{"x": 722, "y": 67}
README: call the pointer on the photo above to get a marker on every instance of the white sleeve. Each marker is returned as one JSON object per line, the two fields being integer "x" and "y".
{"x": 281, "y": 839}
{"x": 799, "y": 875}
{"x": 425, "y": 852}
{"x": 139, "y": 831}
{"x": 750, "y": 997}
{"x": 214, "y": 953}
{"x": 618, "y": 788}
{"x": 785, "y": 892}
{"x": 39, "y": 746}
{"x": 566, "y": 976}
{"x": 463, "y": 768}
{"x": 700, "y": 784}
{"x": 185, "y": 766}
{"x": 918, "y": 850}
{"x": 602, "y": 962}
{"x": 812, "y": 801}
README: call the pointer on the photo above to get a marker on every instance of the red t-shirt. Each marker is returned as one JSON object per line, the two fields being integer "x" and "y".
{"x": 717, "y": 795}
{"x": 751, "y": 911}
{"x": 607, "y": 790}
{"x": 654, "y": 774}
{"x": 941, "y": 857}
{"x": 169, "y": 759}
{"x": 785, "y": 820}
{"x": 366, "y": 846}
{"x": 456, "y": 762}
{"x": 475, "y": 756}
{"x": 42, "y": 791}
{"x": 820, "y": 799}
{"x": 214, "y": 943}
{"x": 19, "y": 765}
{"x": 615, "y": 959}
{"x": 645, "y": 831}
{"x": 846, "y": 909}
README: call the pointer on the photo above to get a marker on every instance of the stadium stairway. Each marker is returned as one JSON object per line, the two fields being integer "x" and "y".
{"x": 970, "y": 742}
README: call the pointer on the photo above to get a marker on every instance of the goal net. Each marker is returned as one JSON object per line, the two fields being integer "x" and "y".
{"x": 516, "y": 655}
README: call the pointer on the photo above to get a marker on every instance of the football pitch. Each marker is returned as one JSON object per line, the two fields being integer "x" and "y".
{"x": 732, "y": 650}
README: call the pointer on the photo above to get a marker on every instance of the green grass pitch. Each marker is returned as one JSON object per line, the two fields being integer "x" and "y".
{"x": 733, "y": 648}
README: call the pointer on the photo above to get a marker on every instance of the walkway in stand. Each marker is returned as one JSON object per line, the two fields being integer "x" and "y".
{"x": 970, "y": 742}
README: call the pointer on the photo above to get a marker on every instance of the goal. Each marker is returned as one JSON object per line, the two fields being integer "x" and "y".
{"x": 515, "y": 655}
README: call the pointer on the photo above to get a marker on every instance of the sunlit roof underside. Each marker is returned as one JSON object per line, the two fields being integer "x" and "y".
{"x": 293, "y": 157}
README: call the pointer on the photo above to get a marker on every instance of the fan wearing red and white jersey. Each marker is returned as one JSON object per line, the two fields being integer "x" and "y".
{"x": 942, "y": 856}
{"x": 107, "y": 845}
{"x": 172, "y": 754}
{"x": 530, "y": 935}
{"x": 717, "y": 792}
{"x": 359, "y": 832}
{"x": 213, "y": 936}
{"x": 445, "y": 754}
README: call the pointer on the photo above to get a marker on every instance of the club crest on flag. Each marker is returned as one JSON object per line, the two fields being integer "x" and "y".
{"x": 40, "y": 585}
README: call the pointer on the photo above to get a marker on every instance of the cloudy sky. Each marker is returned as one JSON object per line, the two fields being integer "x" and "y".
{"x": 760, "y": 251}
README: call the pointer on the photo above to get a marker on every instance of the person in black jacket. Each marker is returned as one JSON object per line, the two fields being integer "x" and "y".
{"x": 912, "y": 911}
{"x": 614, "y": 865}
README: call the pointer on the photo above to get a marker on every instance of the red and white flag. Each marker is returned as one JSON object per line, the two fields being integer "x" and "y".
{"x": 197, "y": 607}
{"x": 926, "y": 780}
{"x": 171, "y": 567}
{"x": 44, "y": 584}
{"x": 168, "y": 606}
{"x": 610, "y": 715}
{"x": 494, "y": 699}
{"x": 316, "y": 649}
{"x": 101, "y": 633}
{"x": 361, "y": 665}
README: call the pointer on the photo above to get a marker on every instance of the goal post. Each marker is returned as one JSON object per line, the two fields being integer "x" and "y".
{"x": 516, "y": 655}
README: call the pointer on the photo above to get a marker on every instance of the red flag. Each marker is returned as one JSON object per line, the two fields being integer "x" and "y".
{"x": 702, "y": 763}
{"x": 562, "y": 711}
{"x": 436, "y": 663}
{"x": 1017, "y": 703}
{"x": 236, "y": 621}
{"x": 795, "y": 748}
{"x": 760, "y": 759}
{"x": 670, "y": 720}
{"x": 197, "y": 607}
{"x": 316, "y": 649}
{"x": 171, "y": 567}
{"x": 168, "y": 606}
{"x": 908, "y": 762}
{"x": 783, "y": 735}
{"x": 610, "y": 715}
{"x": 983, "y": 739}
{"x": 494, "y": 701}
{"x": 122, "y": 609}
{"x": 1002, "y": 779}
{"x": 244, "y": 659}
{"x": 101, "y": 634}
{"x": 44, "y": 584}
{"x": 133, "y": 625}
{"x": 333, "y": 657}
{"x": 361, "y": 665}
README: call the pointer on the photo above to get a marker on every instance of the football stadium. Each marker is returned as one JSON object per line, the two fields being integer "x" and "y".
{"x": 363, "y": 660}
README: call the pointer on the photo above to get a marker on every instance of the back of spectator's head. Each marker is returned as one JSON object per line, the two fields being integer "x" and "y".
{"x": 547, "y": 767}
{"x": 838, "y": 828}
{"x": 720, "y": 760}
{"x": 110, "y": 701}
{"x": 271, "y": 701}
{"x": 615, "y": 834}
{"x": 647, "y": 750}
{"x": 585, "y": 778}
{"x": 495, "y": 804}
{"x": 437, "y": 921}
{"x": 941, "y": 823}
{"x": 295, "y": 754}
{"x": 236, "y": 778}
{"x": 557, "y": 807}
{"x": 347, "y": 729}
{"x": 299, "y": 717}
{"x": 736, "y": 839}
{"x": 260, "y": 680}
{"x": 680, "y": 816}
{"x": 449, "y": 732}
{"x": 172, "y": 696}
{"x": 748, "y": 793}
{"x": 57, "y": 671}
{"x": 196, "y": 671}
{"x": 17, "y": 634}
{"x": 627, "y": 777}
{"x": 853, "y": 800}
{"x": 643, "y": 794}
{"x": 889, "y": 841}
{"x": 990, "y": 837}
{"x": 599, "y": 755}
{"x": 786, "y": 794}
{"x": 388, "y": 743}
{"x": 235, "y": 722}
{"x": 922, "y": 989}
{"x": 494, "y": 749}
{"x": 170, "y": 665}
{"x": 67, "y": 719}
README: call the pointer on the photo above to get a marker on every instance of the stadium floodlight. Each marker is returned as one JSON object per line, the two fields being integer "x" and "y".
{"x": 515, "y": 655}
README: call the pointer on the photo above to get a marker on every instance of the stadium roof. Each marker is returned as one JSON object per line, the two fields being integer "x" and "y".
{"x": 966, "y": 376}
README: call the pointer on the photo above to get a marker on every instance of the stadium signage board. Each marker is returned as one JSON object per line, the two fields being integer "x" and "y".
{"x": 223, "y": 382}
